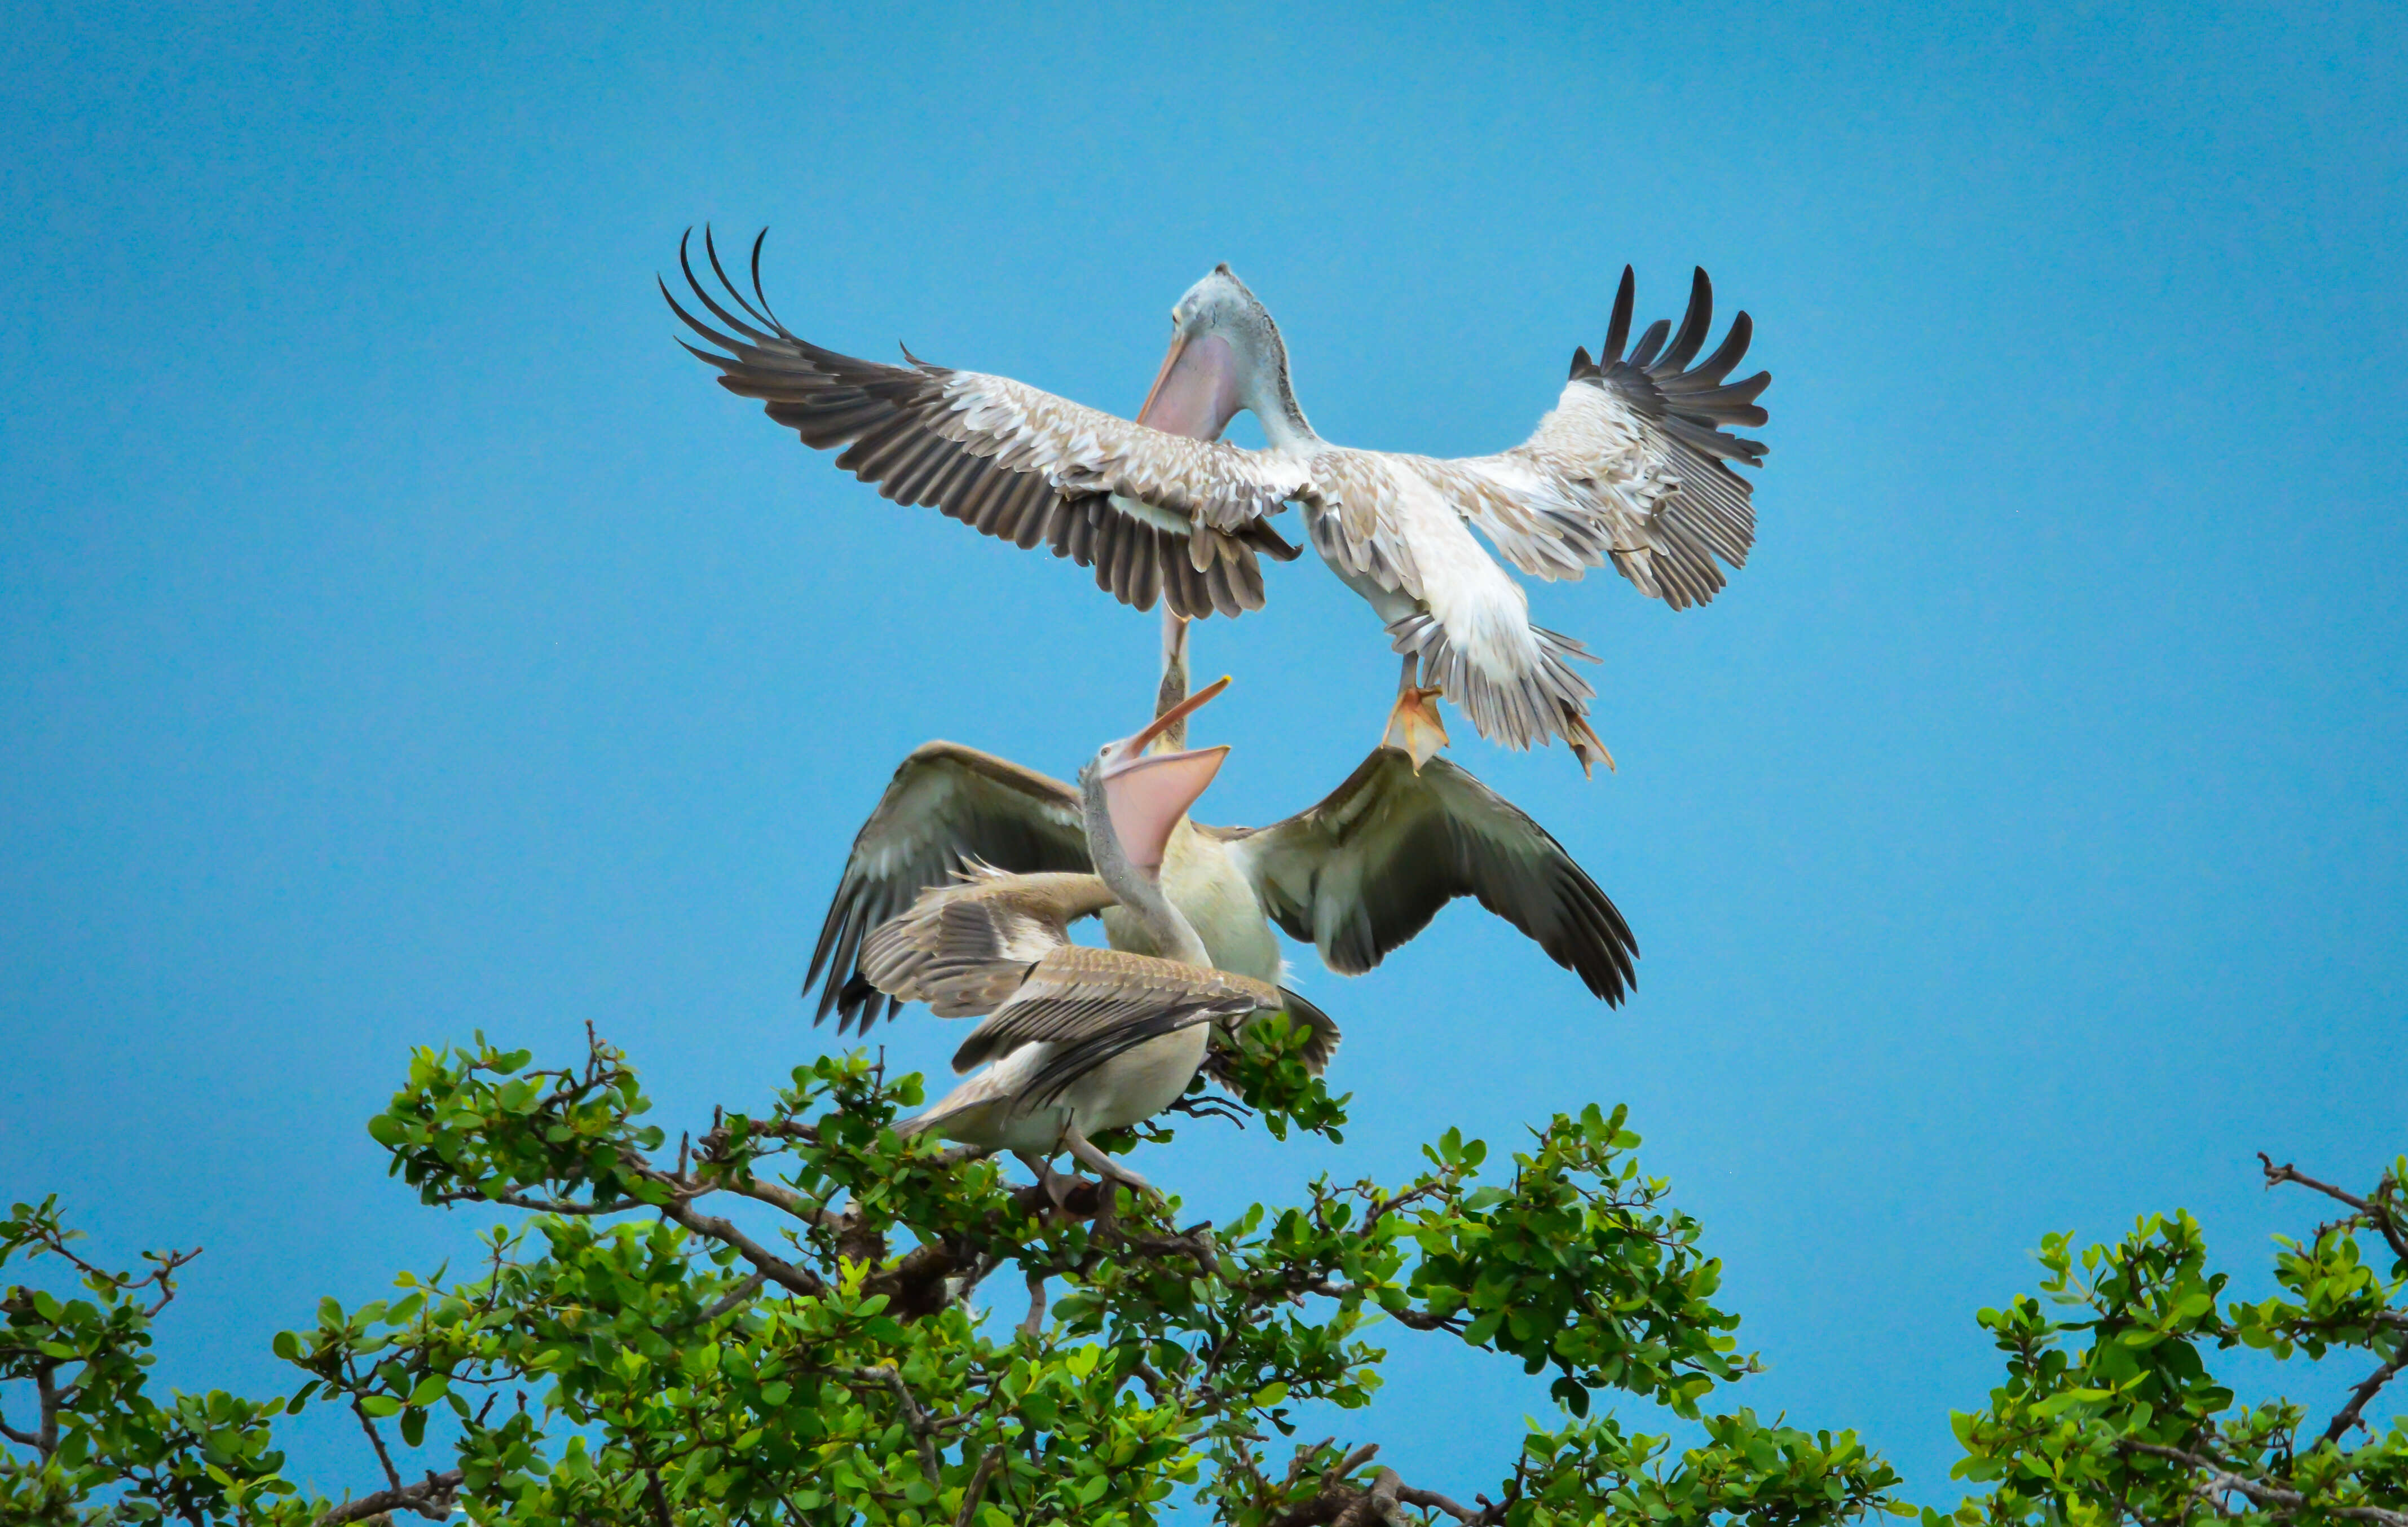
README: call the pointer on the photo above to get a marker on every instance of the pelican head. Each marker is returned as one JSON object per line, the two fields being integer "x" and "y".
{"x": 1143, "y": 794}
{"x": 1225, "y": 354}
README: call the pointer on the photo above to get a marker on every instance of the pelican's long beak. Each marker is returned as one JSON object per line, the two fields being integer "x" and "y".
{"x": 1195, "y": 391}
{"x": 1148, "y": 792}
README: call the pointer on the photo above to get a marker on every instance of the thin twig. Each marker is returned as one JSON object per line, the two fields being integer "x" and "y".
{"x": 392, "y": 1474}
{"x": 737, "y": 1296}
{"x": 2384, "y": 1224}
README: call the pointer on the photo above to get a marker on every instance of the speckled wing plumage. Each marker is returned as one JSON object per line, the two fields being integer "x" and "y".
{"x": 948, "y": 807}
{"x": 1155, "y": 515}
{"x": 1366, "y": 868}
{"x": 966, "y": 947}
{"x": 1077, "y": 994}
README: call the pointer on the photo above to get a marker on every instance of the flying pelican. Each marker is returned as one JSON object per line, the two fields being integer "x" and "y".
{"x": 1628, "y": 466}
{"x": 1357, "y": 875}
{"x": 1080, "y": 1039}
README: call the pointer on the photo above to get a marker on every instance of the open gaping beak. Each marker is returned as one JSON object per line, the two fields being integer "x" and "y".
{"x": 1148, "y": 792}
{"x": 1195, "y": 391}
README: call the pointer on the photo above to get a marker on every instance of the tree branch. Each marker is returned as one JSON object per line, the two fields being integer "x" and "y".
{"x": 2381, "y": 1221}
{"x": 735, "y": 1297}
{"x": 46, "y": 1390}
{"x": 2347, "y": 1416}
{"x": 1377, "y": 1504}
{"x": 432, "y": 1498}
{"x": 544, "y": 1206}
{"x": 914, "y": 1417}
{"x": 977, "y": 1489}
{"x": 1335, "y": 1495}
{"x": 392, "y": 1474}
{"x": 2263, "y": 1494}
{"x": 1430, "y": 1500}
{"x": 779, "y": 1270}
{"x": 776, "y": 1195}
{"x": 23, "y": 1439}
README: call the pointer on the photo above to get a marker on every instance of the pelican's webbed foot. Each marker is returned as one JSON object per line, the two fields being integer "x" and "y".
{"x": 1414, "y": 727}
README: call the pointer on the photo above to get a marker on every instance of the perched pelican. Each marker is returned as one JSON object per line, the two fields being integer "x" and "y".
{"x": 1080, "y": 1039}
{"x": 1629, "y": 466}
{"x": 1357, "y": 875}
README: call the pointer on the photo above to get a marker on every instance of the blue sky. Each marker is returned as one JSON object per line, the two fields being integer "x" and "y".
{"x": 400, "y": 636}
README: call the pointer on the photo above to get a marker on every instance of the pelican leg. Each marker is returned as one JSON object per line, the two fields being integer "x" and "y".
{"x": 1414, "y": 725}
{"x": 1107, "y": 1169}
{"x": 1049, "y": 1181}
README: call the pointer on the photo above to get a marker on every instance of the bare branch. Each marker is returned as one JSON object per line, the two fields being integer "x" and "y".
{"x": 392, "y": 1474}
{"x": 2384, "y": 1223}
{"x": 46, "y": 1390}
{"x": 914, "y": 1417}
{"x": 1034, "y": 1325}
{"x": 971, "y": 1496}
{"x": 544, "y": 1206}
{"x": 1430, "y": 1500}
{"x": 23, "y": 1439}
{"x": 735, "y": 1297}
{"x": 2347, "y": 1416}
{"x": 1338, "y": 1503}
{"x": 776, "y": 1195}
{"x": 432, "y": 1498}
{"x": 779, "y": 1270}
{"x": 2224, "y": 1478}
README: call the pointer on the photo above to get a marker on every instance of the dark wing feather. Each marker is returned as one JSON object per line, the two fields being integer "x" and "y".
{"x": 1693, "y": 409}
{"x": 947, "y": 807}
{"x": 1320, "y": 1026}
{"x": 1367, "y": 869}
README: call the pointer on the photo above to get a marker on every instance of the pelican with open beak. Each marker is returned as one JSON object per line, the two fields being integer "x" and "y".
{"x": 1076, "y": 1039}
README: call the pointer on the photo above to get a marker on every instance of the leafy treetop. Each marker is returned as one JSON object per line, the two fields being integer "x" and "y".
{"x": 780, "y": 1322}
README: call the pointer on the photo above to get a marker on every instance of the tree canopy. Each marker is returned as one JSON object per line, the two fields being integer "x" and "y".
{"x": 802, "y": 1317}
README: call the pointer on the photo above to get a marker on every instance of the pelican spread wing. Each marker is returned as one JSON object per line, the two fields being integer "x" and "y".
{"x": 1155, "y": 514}
{"x": 1631, "y": 462}
{"x": 1628, "y": 466}
{"x": 1640, "y": 443}
{"x": 948, "y": 808}
{"x": 1368, "y": 868}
